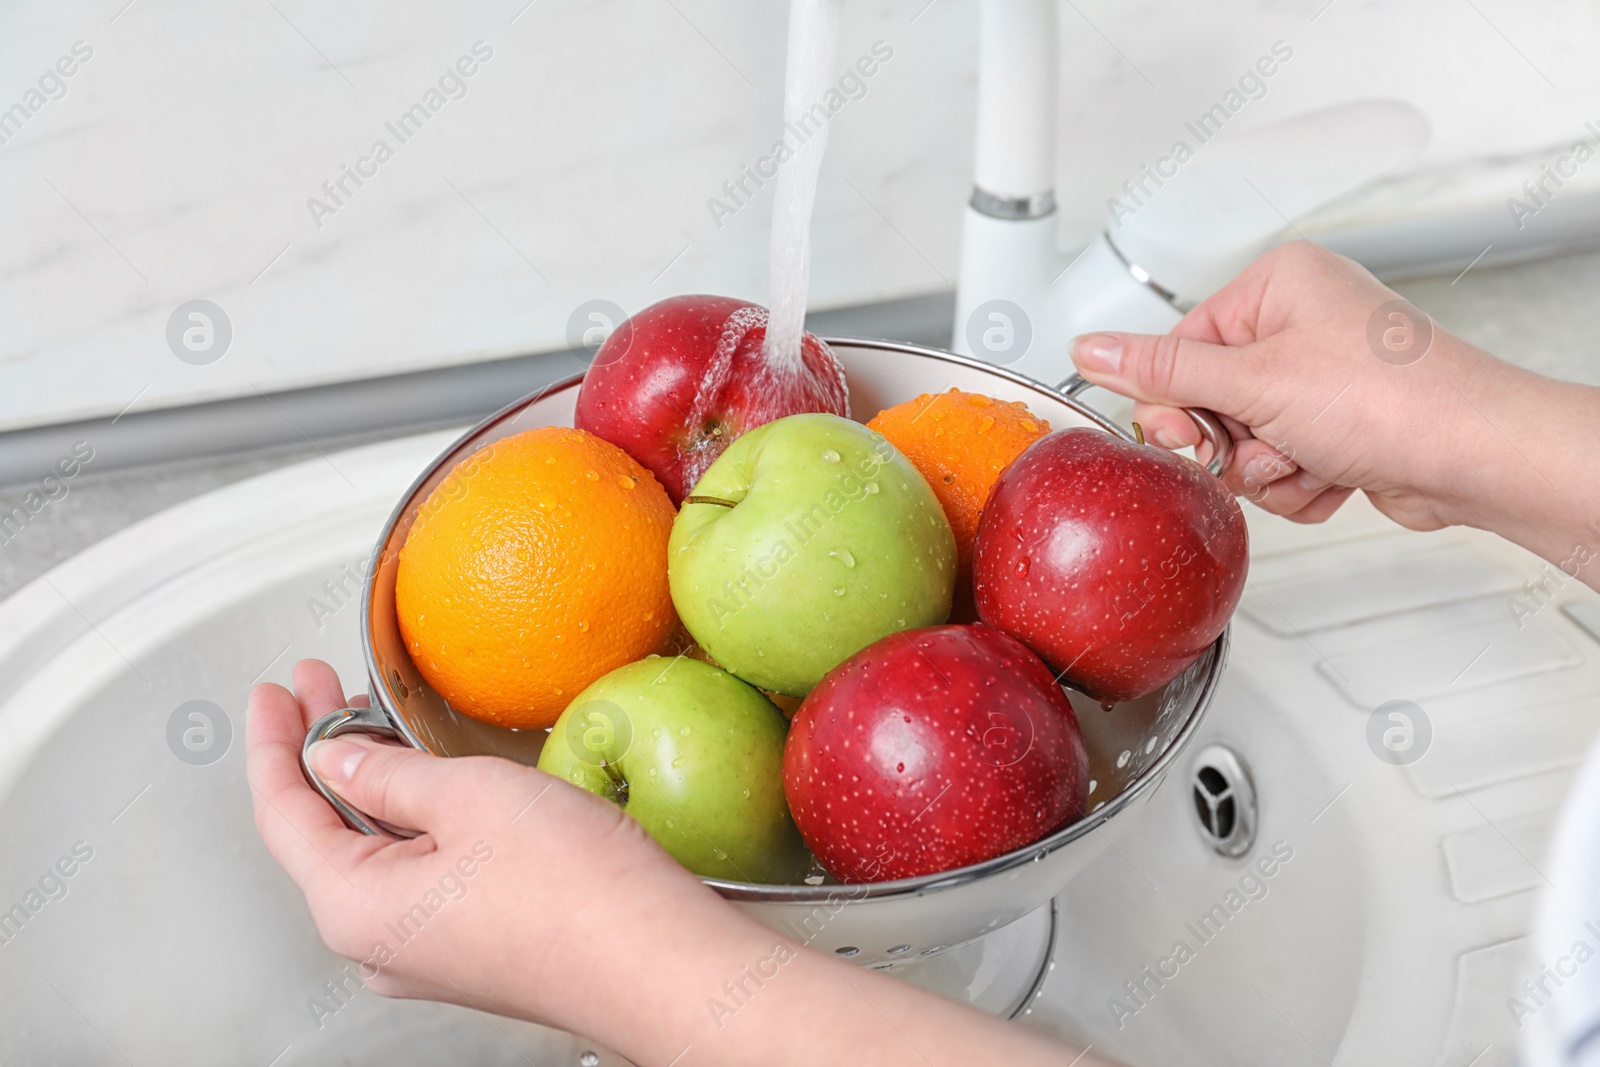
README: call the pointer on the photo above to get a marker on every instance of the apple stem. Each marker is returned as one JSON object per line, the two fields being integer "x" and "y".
{"x": 717, "y": 500}
{"x": 1138, "y": 433}
{"x": 619, "y": 782}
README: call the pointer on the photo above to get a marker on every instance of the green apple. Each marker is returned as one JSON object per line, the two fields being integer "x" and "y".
{"x": 696, "y": 756}
{"x": 810, "y": 538}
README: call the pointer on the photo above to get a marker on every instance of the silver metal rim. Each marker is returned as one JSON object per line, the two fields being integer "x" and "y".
{"x": 1044, "y": 967}
{"x": 1014, "y": 208}
{"x": 1216, "y": 657}
{"x": 374, "y": 721}
{"x": 1143, "y": 277}
{"x": 1207, "y": 422}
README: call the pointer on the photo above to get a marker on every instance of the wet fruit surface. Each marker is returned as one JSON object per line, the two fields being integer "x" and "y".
{"x": 695, "y": 755}
{"x": 960, "y": 442}
{"x": 536, "y": 566}
{"x": 824, "y": 539}
{"x": 1118, "y": 563}
{"x": 685, "y": 377}
{"x": 930, "y": 750}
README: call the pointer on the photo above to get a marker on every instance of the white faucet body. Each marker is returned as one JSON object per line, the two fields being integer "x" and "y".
{"x": 1020, "y": 300}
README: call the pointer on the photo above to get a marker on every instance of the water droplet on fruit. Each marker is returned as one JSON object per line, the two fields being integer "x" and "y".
{"x": 900, "y": 767}
{"x": 872, "y": 487}
{"x": 838, "y": 591}
{"x": 830, "y": 456}
{"x": 949, "y": 479}
{"x": 670, "y": 824}
{"x": 592, "y": 474}
{"x": 843, "y": 556}
{"x": 677, "y": 761}
{"x": 1105, "y": 706}
{"x": 1030, "y": 426}
{"x": 1022, "y": 567}
{"x": 745, "y": 793}
{"x": 583, "y": 627}
{"x": 546, "y": 501}
{"x": 627, "y": 481}
{"x": 988, "y": 421}
{"x": 683, "y": 731}
{"x": 718, "y": 853}
{"x": 652, "y": 772}
{"x": 656, "y": 732}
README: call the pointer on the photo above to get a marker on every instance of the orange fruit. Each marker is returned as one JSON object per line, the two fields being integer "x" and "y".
{"x": 960, "y": 442}
{"x": 536, "y": 566}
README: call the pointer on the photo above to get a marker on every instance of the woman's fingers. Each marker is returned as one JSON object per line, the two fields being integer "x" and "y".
{"x": 1166, "y": 426}
{"x": 1256, "y": 468}
{"x": 302, "y": 832}
{"x": 1322, "y": 506}
{"x": 1259, "y": 472}
{"x": 401, "y": 786}
{"x": 1175, "y": 371}
{"x": 318, "y": 688}
{"x": 1302, "y": 497}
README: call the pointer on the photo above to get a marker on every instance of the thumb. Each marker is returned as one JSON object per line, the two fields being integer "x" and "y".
{"x": 400, "y": 786}
{"x": 1170, "y": 370}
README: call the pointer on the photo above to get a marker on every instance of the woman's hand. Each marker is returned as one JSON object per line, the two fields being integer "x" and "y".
{"x": 523, "y": 896}
{"x": 1305, "y": 358}
{"x": 528, "y": 897}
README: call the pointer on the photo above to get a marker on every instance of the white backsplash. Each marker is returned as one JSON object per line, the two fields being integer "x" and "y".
{"x": 578, "y": 165}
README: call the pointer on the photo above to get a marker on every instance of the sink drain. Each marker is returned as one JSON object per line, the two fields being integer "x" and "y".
{"x": 1224, "y": 800}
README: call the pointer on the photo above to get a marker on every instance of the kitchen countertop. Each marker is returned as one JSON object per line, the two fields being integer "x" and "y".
{"x": 1541, "y": 315}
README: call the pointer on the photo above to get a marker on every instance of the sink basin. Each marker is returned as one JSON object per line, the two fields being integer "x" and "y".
{"x": 1392, "y": 933}
{"x": 1397, "y": 933}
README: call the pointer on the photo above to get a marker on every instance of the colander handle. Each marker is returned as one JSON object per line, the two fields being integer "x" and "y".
{"x": 370, "y": 720}
{"x": 1210, "y": 427}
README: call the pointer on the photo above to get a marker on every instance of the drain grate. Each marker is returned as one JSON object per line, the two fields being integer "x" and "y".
{"x": 1224, "y": 800}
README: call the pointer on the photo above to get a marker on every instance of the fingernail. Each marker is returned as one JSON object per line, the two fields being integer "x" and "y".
{"x": 1264, "y": 469}
{"x": 1311, "y": 483}
{"x": 1167, "y": 439}
{"x": 336, "y": 761}
{"x": 1100, "y": 352}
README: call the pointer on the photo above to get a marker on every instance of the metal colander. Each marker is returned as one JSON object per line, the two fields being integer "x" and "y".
{"x": 882, "y": 924}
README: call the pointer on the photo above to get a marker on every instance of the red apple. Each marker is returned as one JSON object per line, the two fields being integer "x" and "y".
{"x": 674, "y": 384}
{"x": 932, "y": 749}
{"x": 1118, "y": 563}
